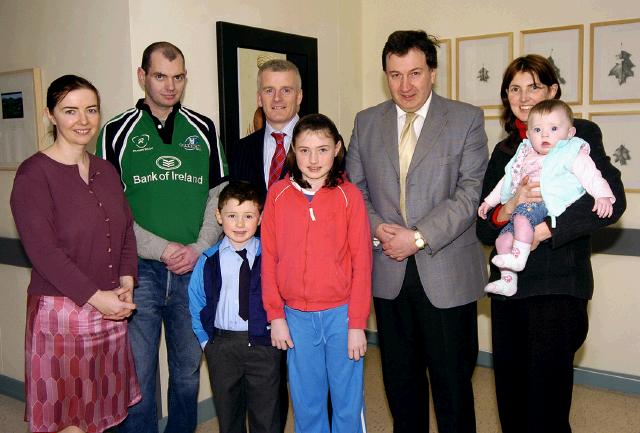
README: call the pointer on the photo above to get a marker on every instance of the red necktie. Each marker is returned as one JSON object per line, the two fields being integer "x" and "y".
{"x": 277, "y": 162}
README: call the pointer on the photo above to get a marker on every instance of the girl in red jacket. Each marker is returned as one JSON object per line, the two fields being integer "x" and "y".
{"x": 316, "y": 279}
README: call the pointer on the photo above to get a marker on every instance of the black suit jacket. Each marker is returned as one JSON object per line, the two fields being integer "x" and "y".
{"x": 247, "y": 162}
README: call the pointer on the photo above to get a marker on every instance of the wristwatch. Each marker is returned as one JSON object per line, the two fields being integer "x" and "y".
{"x": 418, "y": 239}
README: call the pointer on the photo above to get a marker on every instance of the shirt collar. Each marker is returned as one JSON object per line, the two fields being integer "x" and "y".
{"x": 141, "y": 105}
{"x": 288, "y": 129}
{"x": 165, "y": 131}
{"x": 251, "y": 247}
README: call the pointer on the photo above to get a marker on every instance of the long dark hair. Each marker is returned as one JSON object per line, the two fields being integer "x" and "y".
{"x": 60, "y": 87}
{"x": 318, "y": 123}
{"x": 538, "y": 67}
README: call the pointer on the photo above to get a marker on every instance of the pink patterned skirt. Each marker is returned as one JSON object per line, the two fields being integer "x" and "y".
{"x": 79, "y": 369}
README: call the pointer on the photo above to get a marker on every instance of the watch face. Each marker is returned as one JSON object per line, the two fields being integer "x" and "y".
{"x": 420, "y": 243}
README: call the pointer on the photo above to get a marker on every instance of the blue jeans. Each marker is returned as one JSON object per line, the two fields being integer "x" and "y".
{"x": 534, "y": 212}
{"x": 161, "y": 297}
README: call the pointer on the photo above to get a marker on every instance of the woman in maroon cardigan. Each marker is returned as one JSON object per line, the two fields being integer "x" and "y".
{"x": 536, "y": 332}
{"x": 76, "y": 228}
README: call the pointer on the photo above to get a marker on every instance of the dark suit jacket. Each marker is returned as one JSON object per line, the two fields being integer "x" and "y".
{"x": 247, "y": 162}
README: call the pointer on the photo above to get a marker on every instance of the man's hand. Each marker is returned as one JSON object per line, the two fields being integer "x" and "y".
{"x": 187, "y": 257}
{"x": 280, "y": 336}
{"x": 402, "y": 244}
{"x": 171, "y": 254}
{"x": 357, "y": 344}
{"x": 384, "y": 232}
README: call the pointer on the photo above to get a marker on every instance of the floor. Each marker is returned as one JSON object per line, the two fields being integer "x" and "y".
{"x": 593, "y": 410}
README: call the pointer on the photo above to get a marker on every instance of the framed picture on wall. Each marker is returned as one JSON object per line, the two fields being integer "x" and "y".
{"x": 614, "y": 53}
{"x": 442, "y": 85}
{"x": 495, "y": 131}
{"x": 620, "y": 132}
{"x": 563, "y": 47}
{"x": 239, "y": 49}
{"x": 480, "y": 63}
{"x": 21, "y": 123}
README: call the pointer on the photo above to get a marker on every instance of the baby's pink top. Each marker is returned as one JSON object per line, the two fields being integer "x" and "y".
{"x": 583, "y": 168}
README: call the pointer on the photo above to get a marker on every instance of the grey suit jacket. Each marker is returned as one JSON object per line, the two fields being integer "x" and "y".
{"x": 444, "y": 181}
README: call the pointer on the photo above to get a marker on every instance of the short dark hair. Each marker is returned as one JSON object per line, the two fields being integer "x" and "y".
{"x": 534, "y": 64}
{"x": 168, "y": 50}
{"x": 320, "y": 124}
{"x": 241, "y": 191}
{"x": 401, "y": 41}
{"x": 60, "y": 87}
{"x": 550, "y": 105}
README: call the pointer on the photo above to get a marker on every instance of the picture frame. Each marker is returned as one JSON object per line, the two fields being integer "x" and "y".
{"x": 495, "y": 131}
{"x": 21, "y": 116}
{"x": 614, "y": 54}
{"x": 442, "y": 86}
{"x": 564, "y": 48}
{"x": 620, "y": 132}
{"x": 480, "y": 63}
{"x": 300, "y": 50}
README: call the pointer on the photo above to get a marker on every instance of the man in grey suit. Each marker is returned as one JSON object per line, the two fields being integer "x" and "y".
{"x": 429, "y": 269}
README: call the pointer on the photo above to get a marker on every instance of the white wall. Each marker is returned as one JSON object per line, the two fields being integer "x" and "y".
{"x": 613, "y": 343}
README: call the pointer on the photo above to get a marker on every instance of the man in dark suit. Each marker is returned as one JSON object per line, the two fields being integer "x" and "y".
{"x": 419, "y": 160}
{"x": 259, "y": 157}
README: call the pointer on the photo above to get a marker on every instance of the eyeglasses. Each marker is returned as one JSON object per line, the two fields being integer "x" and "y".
{"x": 531, "y": 89}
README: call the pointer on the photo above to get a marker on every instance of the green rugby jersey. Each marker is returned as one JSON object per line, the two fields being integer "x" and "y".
{"x": 166, "y": 171}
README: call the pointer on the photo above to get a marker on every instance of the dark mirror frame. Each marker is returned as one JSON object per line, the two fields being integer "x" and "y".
{"x": 301, "y": 50}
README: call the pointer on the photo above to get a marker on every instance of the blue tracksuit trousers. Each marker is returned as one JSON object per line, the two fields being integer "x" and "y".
{"x": 319, "y": 362}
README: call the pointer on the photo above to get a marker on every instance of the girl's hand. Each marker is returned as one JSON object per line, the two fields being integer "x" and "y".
{"x": 603, "y": 207}
{"x": 280, "y": 336}
{"x": 111, "y": 307}
{"x": 356, "y": 344}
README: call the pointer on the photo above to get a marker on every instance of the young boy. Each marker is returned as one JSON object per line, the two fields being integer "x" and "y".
{"x": 560, "y": 162}
{"x": 227, "y": 316}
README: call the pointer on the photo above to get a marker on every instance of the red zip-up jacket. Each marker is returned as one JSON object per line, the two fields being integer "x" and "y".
{"x": 316, "y": 254}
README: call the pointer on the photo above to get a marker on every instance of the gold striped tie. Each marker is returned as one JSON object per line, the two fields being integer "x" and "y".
{"x": 406, "y": 147}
